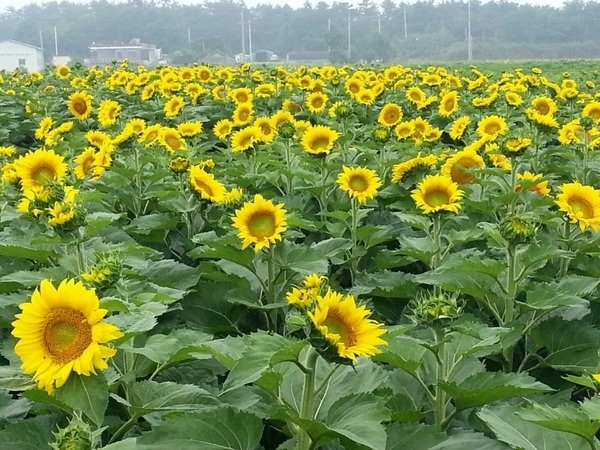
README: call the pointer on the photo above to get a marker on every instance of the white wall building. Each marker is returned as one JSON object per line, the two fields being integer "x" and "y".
{"x": 17, "y": 55}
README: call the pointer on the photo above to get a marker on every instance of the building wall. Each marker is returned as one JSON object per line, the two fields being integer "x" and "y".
{"x": 14, "y": 55}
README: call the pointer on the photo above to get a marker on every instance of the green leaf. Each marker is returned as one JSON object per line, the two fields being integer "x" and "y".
{"x": 13, "y": 379}
{"x": 12, "y": 410}
{"x": 173, "y": 274}
{"x": 26, "y": 435}
{"x": 221, "y": 429}
{"x": 289, "y": 353}
{"x": 404, "y": 352}
{"x": 385, "y": 284}
{"x": 566, "y": 417}
{"x": 520, "y": 434}
{"x": 145, "y": 224}
{"x": 24, "y": 251}
{"x": 87, "y": 394}
{"x": 487, "y": 387}
{"x": 149, "y": 396}
{"x": 426, "y": 437}
{"x": 571, "y": 346}
{"x": 403, "y": 409}
{"x": 549, "y": 297}
{"x": 125, "y": 444}
{"x": 358, "y": 418}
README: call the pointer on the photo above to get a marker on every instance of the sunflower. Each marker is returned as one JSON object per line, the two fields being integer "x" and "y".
{"x": 359, "y": 182}
{"x": 416, "y": 96}
{"x": 60, "y": 331}
{"x": 190, "y": 129}
{"x": 581, "y": 204}
{"x": 365, "y": 96}
{"x": 400, "y": 170}
{"x": 264, "y": 90}
{"x": 448, "y": 104}
{"x": 204, "y": 74}
{"x": 173, "y": 106}
{"x": 206, "y": 185}
{"x": 80, "y": 105}
{"x": 171, "y": 139}
{"x": 63, "y": 72}
{"x": 260, "y": 222}
{"x": 280, "y": 117}
{"x": 150, "y": 134}
{"x": 455, "y": 166}
{"x": 353, "y": 86}
{"x": 7, "y": 150}
{"x": 85, "y": 162}
{"x": 539, "y": 185}
{"x": 137, "y": 126}
{"x": 544, "y": 106}
{"x": 390, "y": 115}
{"x": 459, "y": 126}
{"x": 346, "y": 326}
{"x": 39, "y": 168}
{"x": 222, "y": 128}
{"x": 592, "y": 110}
{"x": 243, "y": 114}
{"x": 97, "y": 138}
{"x": 517, "y": 145}
{"x": 245, "y": 138}
{"x": 437, "y": 193}
{"x": 267, "y": 131}
{"x": 513, "y": 99}
{"x": 108, "y": 111}
{"x": 44, "y": 128}
{"x": 404, "y": 130}
{"x": 241, "y": 95}
{"x": 319, "y": 140}
{"x": 316, "y": 102}
{"x": 490, "y": 127}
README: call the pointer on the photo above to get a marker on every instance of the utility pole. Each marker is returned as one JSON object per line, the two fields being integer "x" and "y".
{"x": 405, "y": 28}
{"x": 349, "y": 37}
{"x": 243, "y": 39}
{"x": 250, "y": 39}
{"x": 329, "y": 35}
{"x": 469, "y": 44}
{"x": 55, "y": 42}
{"x": 189, "y": 35}
{"x": 379, "y": 24}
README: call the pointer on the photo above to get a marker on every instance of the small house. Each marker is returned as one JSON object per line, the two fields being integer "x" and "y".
{"x": 134, "y": 51}
{"x": 18, "y": 55}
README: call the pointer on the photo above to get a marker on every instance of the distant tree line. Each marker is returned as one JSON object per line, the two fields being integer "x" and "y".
{"x": 388, "y": 31}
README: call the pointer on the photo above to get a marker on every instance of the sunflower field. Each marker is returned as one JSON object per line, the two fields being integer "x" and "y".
{"x": 278, "y": 257}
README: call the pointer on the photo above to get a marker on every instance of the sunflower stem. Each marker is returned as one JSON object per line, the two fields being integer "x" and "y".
{"x": 440, "y": 395}
{"x": 308, "y": 397}
{"x": 124, "y": 428}
{"x": 564, "y": 262}
{"x": 353, "y": 234}
{"x": 437, "y": 241}
{"x": 511, "y": 294}
{"x": 513, "y": 183}
{"x": 288, "y": 164}
{"x": 137, "y": 201}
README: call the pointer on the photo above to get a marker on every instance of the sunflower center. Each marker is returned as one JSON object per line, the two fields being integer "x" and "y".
{"x": 358, "y": 183}
{"x": 320, "y": 143}
{"x": 80, "y": 106}
{"x": 66, "y": 334}
{"x": 173, "y": 142}
{"x": 391, "y": 117}
{"x": 449, "y": 105}
{"x": 437, "y": 198}
{"x": 542, "y": 108}
{"x": 581, "y": 207}
{"x": 204, "y": 187}
{"x": 262, "y": 225}
{"x": 460, "y": 175}
{"x": 317, "y": 102}
{"x": 492, "y": 128}
{"x": 87, "y": 164}
{"x": 244, "y": 114}
{"x": 337, "y": 325}
{"x": 43, "y": 174}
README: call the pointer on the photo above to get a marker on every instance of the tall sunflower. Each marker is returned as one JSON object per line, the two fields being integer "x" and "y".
{"x": 459, "y": 126}
{"x": 490, "y": 127}
{"x": 346, "y": 326}
{"x": 173, "y": 106}
{"x": 448, "y": 104}
{"x": 205, "y": 184}
{"x": 316, "y": 102}
{"x": 60, "y": 331}
{"x": 108, "y": 111}
{"x": 39, "y": 168}
{"x": 44, "y": 128}
{"x": 455, "y": 166}
{"x": 171, "y": 139}
{"x": 390, "y": 115}
{"x": 359, "y": 182}
{"x": 581, "y": 204}
{"x": 539, "y": 185}
{"x": 319, "y": 140}
{"x": 222, "y": 128}
{"x": 245, "y": 139}
{"x": 80, "y": 105}
{"x": 260, "y": 223}
{"x": 437, "y": 193}
{"x": 243, "y": 114}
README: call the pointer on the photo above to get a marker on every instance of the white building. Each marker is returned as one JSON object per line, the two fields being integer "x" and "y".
{"x": 135, "y": 51}
{"x": 17, "y": 55}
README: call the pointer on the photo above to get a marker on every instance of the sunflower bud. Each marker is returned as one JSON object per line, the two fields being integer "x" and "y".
{"x": 518, "y": 229}
{"x": 286, "y": 130}
{"x": 76, "y": 436}
{"x": 179, "y": 164}
{"x": 381, "y": 134}
{"x": 587, "y": 123}
{"x": 105, "y": 272}
{"x": 434, "y": 308}
{"x": 343, "y": 110}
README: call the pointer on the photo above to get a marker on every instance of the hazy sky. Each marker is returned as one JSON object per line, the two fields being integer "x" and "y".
{"x": 250, "y": 3}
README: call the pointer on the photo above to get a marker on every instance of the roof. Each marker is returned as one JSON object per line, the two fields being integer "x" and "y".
{"x": 21, "y": 43}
